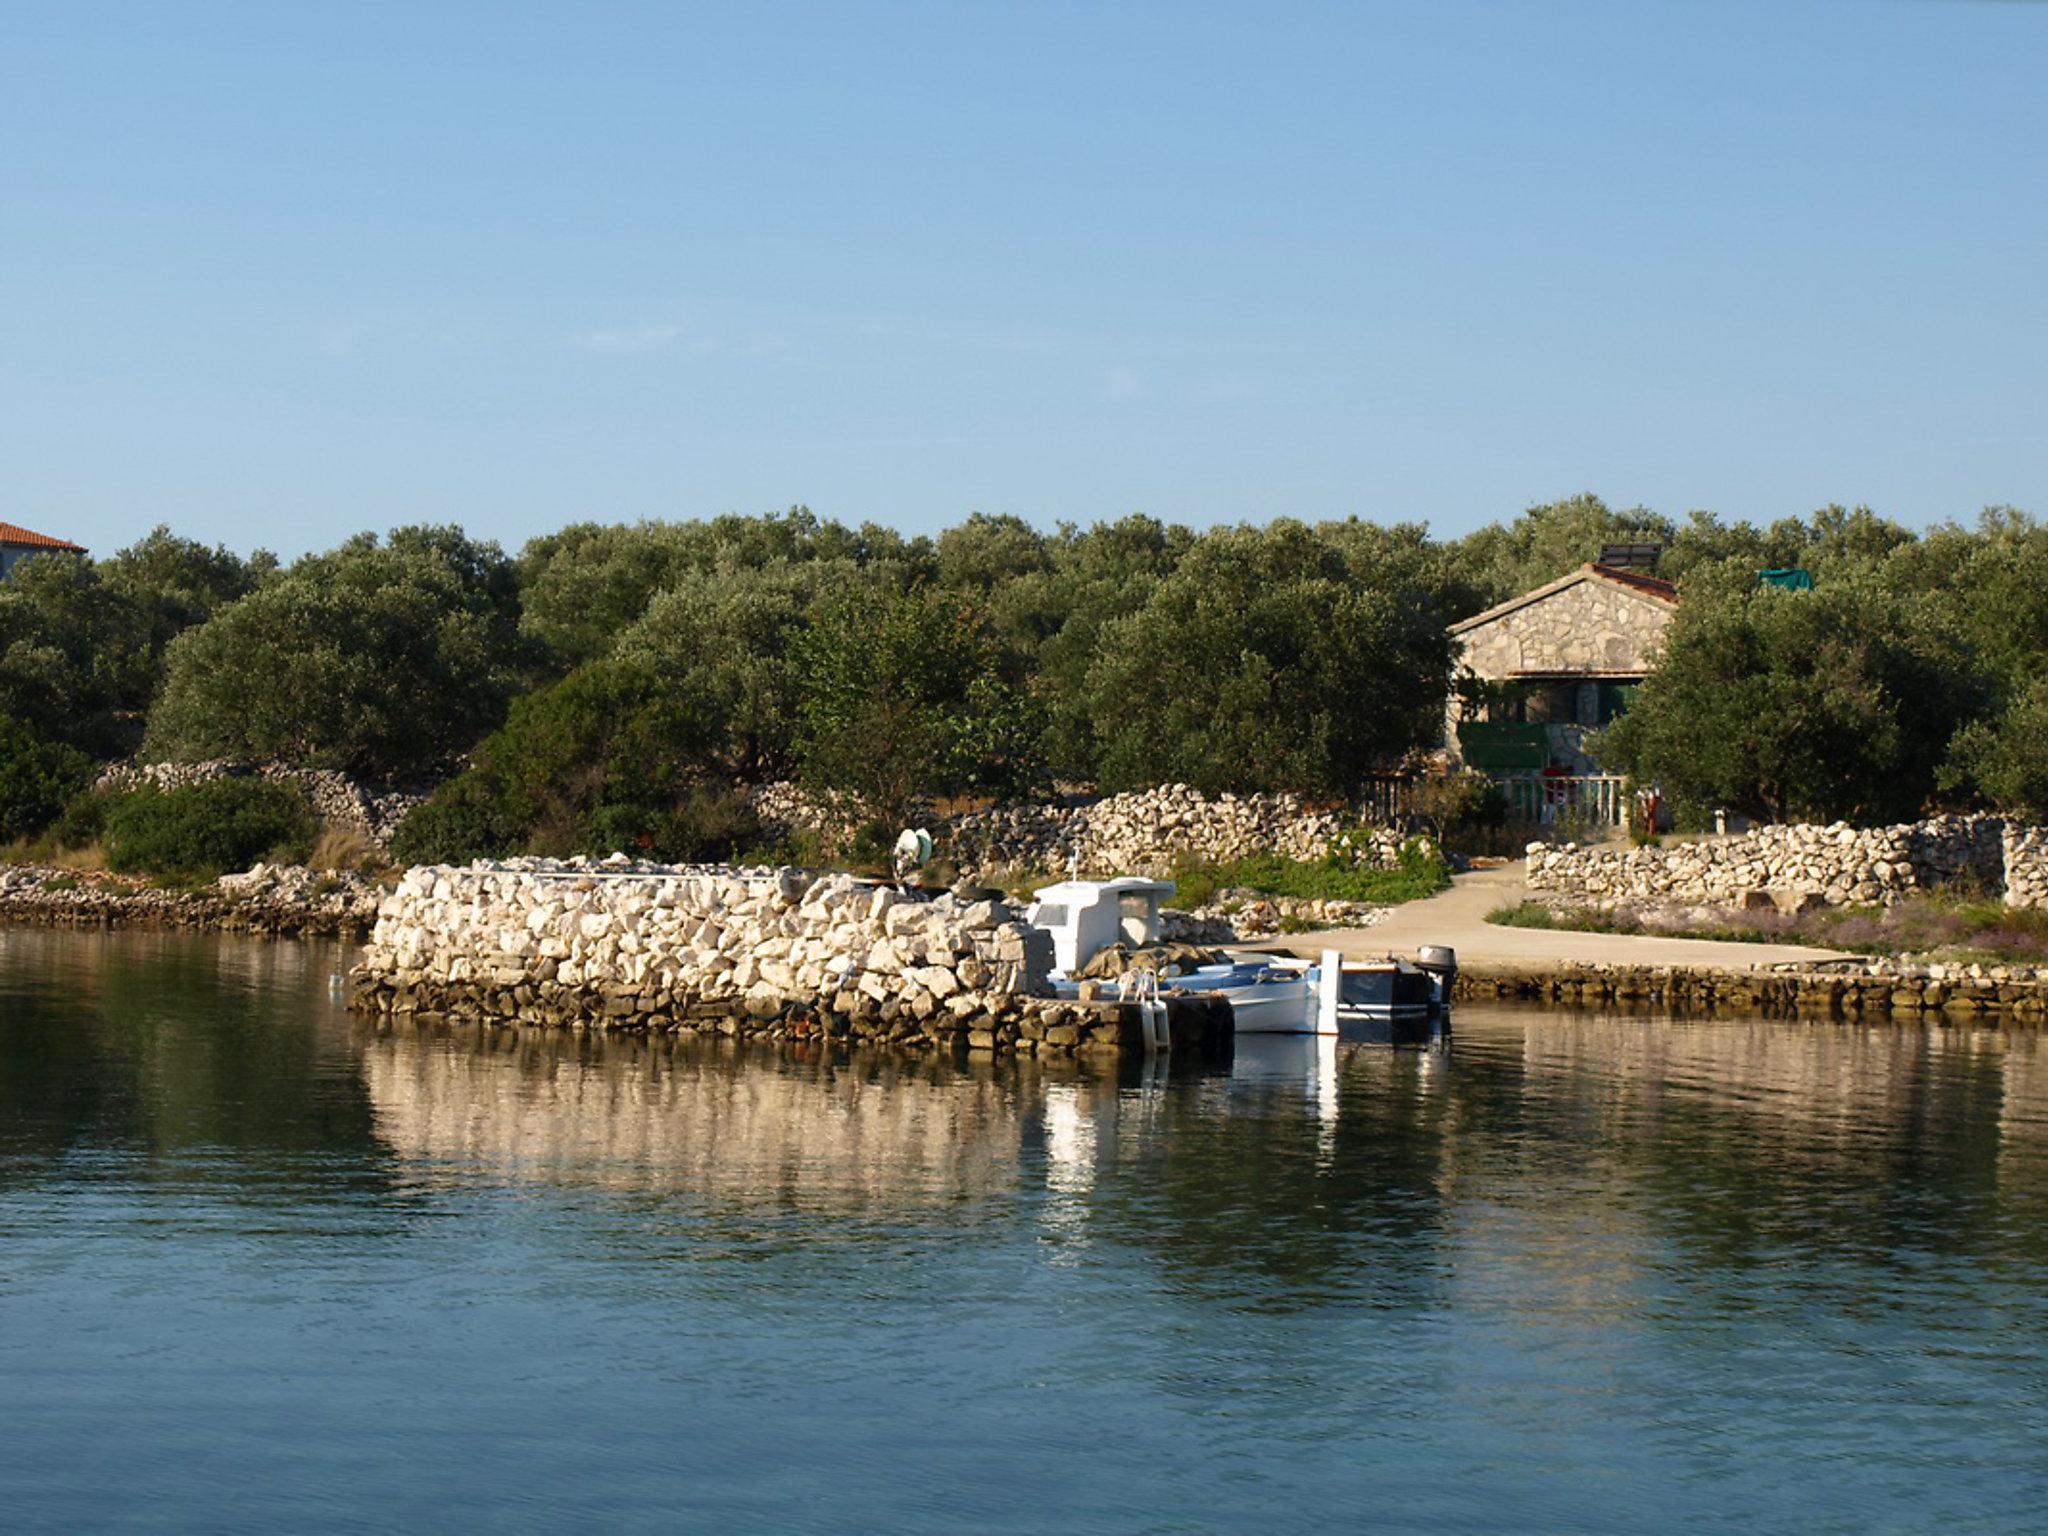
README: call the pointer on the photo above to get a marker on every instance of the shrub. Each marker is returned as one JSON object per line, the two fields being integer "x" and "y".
{"x": 471, "y": 816}
{"x": 227, "y": 824}
{"x": 37, "y": 777}
{"x": 606, "y": 759}
{"x": 84, "y": 820}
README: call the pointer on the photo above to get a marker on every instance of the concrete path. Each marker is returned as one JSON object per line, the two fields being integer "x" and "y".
{"x": 1457, "y": 917}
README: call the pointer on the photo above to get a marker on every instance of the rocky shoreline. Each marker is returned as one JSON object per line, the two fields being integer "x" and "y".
{"x": 279, "y": 901}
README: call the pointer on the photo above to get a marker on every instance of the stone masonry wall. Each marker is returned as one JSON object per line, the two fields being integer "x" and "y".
{"x": 1838, "y": 865}
{"x": 2026, "y": 865}
{"x": 1144, "y": 832}
{"x": 1591, "y": 627}
{"x": 742, "y": 951}
{"x": 337, "y": 799}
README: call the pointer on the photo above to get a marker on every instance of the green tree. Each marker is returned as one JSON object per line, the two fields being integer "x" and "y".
{"x": 608, "y": 759}
{"x": 165, "y": 585}
{"x": 909, "y": 693}
{"x": 587, "y": 584}
{"x": 62, "y": 633}
{"x": 2004, "y": 760}
{"x": 1499, "y": 561}
{"x": 722, "y": 641}
{"x": 1836, "y": 703}
{"x": 380, "y": 658}
{"x": 1267, "y": 661}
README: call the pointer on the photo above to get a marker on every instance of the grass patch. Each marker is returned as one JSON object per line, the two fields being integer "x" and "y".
{"x": 1966, "y": 928}
{"x": 1421, "y": 872}
{"x": 47, "y": 853}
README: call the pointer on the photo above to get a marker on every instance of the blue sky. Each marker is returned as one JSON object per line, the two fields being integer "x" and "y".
{"x": 276, "y": 273}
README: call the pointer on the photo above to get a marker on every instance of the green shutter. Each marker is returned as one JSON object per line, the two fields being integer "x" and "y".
{"x": 1497, "y": 746}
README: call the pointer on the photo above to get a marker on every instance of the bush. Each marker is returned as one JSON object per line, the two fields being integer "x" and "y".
{"x": 228, "y": 824}
{"x": 471, "y": 816}
{"x": 37, "y": 777}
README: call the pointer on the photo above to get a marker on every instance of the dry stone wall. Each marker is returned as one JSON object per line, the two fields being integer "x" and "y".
{"x": 1144, "y": 832}
{"x": 337, "y": 799}
{"x": 2026, "y": 865}
{"x": 1836, "y": 865}
{"x": 743, "y": 951}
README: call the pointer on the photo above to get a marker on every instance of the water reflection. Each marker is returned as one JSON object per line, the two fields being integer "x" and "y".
{"x": 1601, "y": 1262}
{"x": 1736, "y": 1136}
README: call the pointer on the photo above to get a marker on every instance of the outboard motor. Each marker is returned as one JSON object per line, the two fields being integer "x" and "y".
{"x": 1441, "y": 961}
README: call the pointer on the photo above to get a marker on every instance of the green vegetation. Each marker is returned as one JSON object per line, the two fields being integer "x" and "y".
{"x": 606, "y": 758}
{"x": 381, "y": 658}
{"x": 907, "y": 694}
{"x": 204, "y": 829}
{"x": 37, "y": 779}
{"x": 1949, "y": 926}
{"x": 1421, "y": 872}
{"x": 624, "y": 685}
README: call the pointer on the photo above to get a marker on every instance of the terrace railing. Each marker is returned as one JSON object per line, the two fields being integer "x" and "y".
{"x": 1593, "y": 799}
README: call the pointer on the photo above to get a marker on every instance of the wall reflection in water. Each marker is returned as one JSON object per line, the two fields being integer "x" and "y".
{"x": 1547, "y": 1139}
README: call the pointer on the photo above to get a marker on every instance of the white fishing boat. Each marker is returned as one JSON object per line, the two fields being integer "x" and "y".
{"x": 1268, "y": 993}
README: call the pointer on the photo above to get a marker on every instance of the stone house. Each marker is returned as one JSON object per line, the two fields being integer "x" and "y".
{"x": 1543, "y": 670}
{"x": 17, "y": 544}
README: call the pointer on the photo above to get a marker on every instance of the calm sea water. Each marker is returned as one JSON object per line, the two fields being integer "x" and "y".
{"x": 264, "y": 1266}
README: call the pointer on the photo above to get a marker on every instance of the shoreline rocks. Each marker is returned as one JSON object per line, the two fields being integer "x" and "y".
{"x": 282, "y": 901}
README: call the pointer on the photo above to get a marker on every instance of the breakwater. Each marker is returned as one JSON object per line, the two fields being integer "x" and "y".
{"x": 770, "y": 953}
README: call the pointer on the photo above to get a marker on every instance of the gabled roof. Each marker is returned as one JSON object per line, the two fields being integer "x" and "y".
{"x": 1645, "y": 586}
{"x": 28, "y": 538}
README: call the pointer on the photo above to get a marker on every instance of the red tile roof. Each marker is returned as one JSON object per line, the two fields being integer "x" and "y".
{"x": 28, "y": 538}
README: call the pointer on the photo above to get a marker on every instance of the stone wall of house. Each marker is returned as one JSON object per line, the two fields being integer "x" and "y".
{"x": 1592, "y": 626}
{"x": 1835, "y": 865}
{"x": 337, "y": 799}
{"x": 772, "y": 952}
{"x": 1144, "y": 832}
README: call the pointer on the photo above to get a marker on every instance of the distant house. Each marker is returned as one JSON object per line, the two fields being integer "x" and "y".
{"x": 17, "y": 544}
{"x": 1544, "y": 669}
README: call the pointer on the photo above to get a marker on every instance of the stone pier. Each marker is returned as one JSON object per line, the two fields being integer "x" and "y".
{"x": 770, "y": 953}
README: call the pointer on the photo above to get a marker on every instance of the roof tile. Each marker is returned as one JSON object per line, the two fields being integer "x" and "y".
{"x": 28, "y": 538}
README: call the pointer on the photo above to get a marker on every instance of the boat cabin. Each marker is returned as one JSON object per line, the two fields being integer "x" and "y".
{"x": 1087, "y": 916}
